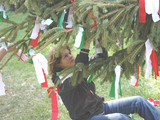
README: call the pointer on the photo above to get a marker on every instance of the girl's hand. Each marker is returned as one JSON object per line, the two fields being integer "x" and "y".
{"x": 87, "y": 45}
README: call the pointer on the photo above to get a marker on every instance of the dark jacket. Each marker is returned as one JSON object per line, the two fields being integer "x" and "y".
{"x": 80, "y": 100}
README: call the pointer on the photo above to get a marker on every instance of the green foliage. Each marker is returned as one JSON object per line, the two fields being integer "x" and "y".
{"x": 117, "y": 20}
{"x": 23, "y": 88}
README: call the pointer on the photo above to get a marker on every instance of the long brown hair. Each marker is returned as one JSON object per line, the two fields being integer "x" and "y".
{"x": 54, "y": 60}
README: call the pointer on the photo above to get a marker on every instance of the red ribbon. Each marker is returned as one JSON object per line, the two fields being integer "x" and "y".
{"x": 142, "y": 12}
{"x": 35, "y": 41}
{"x": 54, "y": 103}
{"x": 94, "y": 25}
{"x": 137, "y": 79}
{"x": 68, "y": 28}
{"x": 154, "y": 63}
{"x": 91, "y": 15}
{"x": 45, "y": 84}
{"x": 72, "y": 1}
{"x": 155, "y": 102}
{"x": 21, "y": 57}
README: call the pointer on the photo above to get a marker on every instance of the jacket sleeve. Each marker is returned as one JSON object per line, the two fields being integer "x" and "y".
{"x": 65, "y": 86}
{"x": 82, "y": 57}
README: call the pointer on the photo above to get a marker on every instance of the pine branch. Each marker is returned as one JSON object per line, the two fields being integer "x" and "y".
{"x": 115, "y": 20}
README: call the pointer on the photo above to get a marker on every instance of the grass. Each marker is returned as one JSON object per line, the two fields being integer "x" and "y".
{"x": 26, "y": 100}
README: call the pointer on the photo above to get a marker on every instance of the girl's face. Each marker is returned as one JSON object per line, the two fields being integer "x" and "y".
{"x": 67, "y": 59}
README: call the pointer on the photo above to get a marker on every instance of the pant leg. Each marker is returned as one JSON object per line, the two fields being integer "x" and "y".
{"x": 113, "y": 116}
{"x": 133, "y": 105}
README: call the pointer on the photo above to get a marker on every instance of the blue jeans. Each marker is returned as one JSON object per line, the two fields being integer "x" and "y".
{"x": 120, "y": 109}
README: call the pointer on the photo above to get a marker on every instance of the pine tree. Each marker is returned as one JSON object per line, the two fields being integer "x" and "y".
{"x": 114, "y": 23}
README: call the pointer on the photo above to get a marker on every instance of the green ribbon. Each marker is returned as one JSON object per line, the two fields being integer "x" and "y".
{"x": 30, "y": 61}
{"x": 90, "y": 78}
{"x": 82, "y": 42}
{"x": 1, "y": 17}
{"x": 6, "y": 43}
{"x": 112, "y": 91}
{"x": 60, "y": 23}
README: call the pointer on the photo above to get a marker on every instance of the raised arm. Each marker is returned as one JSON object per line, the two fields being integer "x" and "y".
{"x": 82, "y": 57}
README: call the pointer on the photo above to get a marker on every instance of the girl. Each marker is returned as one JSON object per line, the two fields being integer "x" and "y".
{"x": 81, "y": 100}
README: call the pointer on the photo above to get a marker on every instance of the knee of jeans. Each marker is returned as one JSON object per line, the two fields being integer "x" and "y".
{"x": 139, "y": 99}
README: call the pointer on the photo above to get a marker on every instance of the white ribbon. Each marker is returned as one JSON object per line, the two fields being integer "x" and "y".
{"x": 2, "y": 86}
{"x": 44, "y": 63}
{"x": 24, "y": 57}
{"x": 155, "y": 15}
{"x": 148, "y": 66}
{"x": 4, "y": 12}
{"x": 152, "y": 7}
{"x": 4, "y": 45}
{"x": 78, "y": 39}
{"x": 133, "y": 80}
{"x": 38, "y": 69}
{"x": 44, "y": 24}
{"x": 99, "y": 49}
{"x": 148, "y": 6}
{"x": 32, "y": 52}
{"x": 69, "y": 20}
{"x": 40, "y": 62}
{"x": 36, "y": 30}
{"x": 117, "y": 72}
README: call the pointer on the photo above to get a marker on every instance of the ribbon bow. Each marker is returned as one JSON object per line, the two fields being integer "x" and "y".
{"x": 54, "y": 102}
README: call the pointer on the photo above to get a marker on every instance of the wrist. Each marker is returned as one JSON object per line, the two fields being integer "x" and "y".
{"x": 86, "y": 46}
{"x": 85, "y": 51}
